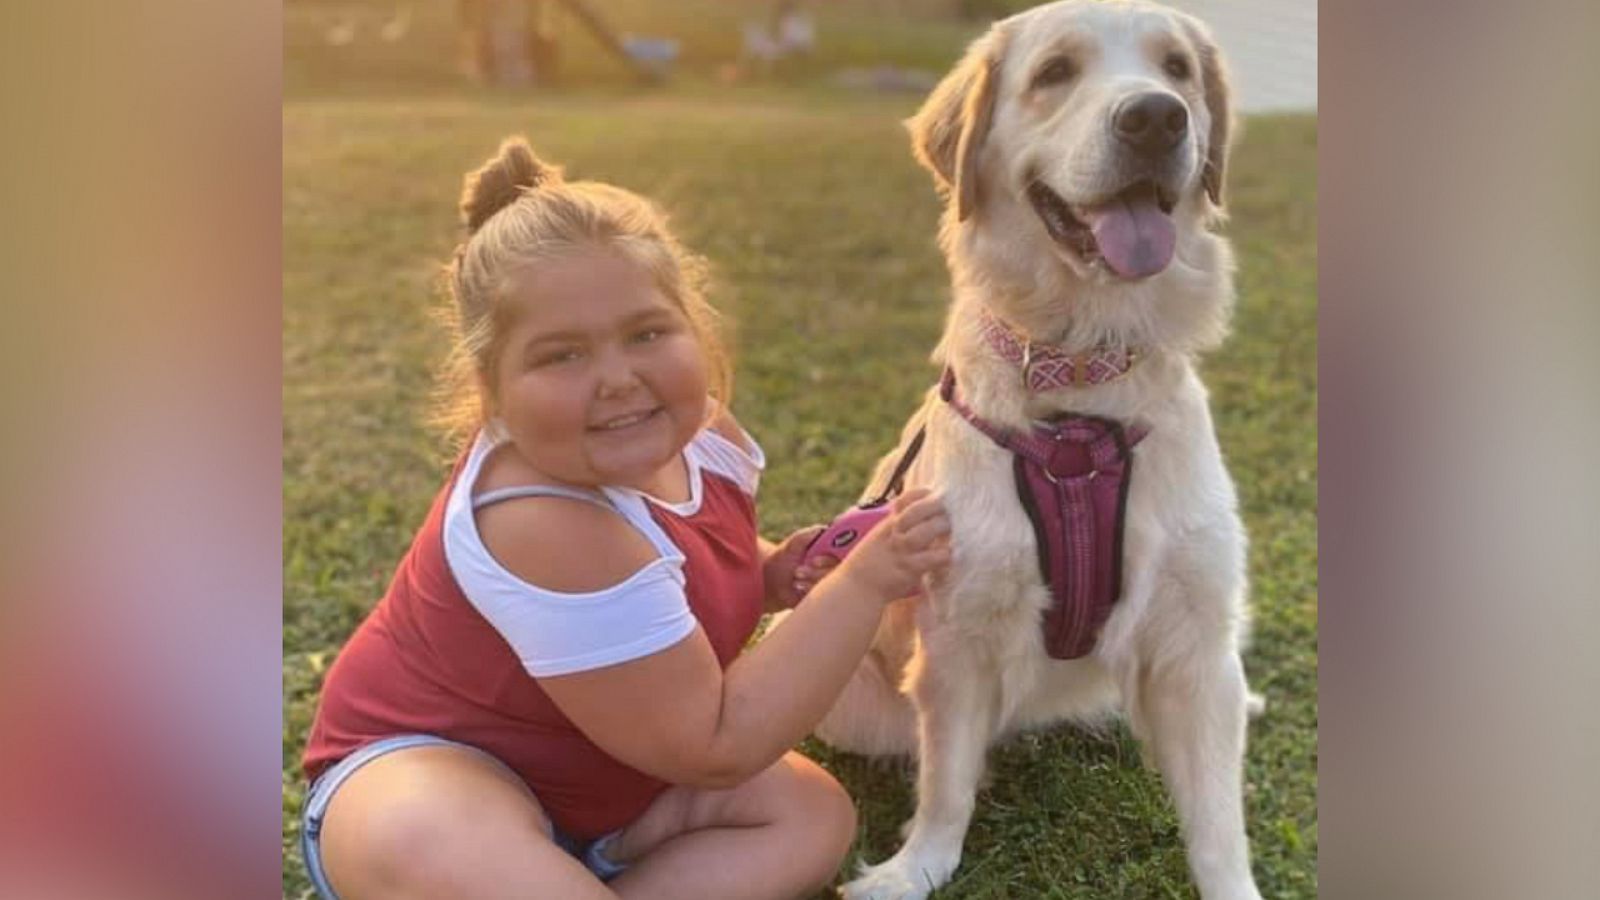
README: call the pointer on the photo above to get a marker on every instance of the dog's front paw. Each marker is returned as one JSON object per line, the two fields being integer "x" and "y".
{"x": 884, "y": 882}
{"x": 1229, "y": 886}
{"x": 902, "y": 877}
{"x": 1244, "y": 890}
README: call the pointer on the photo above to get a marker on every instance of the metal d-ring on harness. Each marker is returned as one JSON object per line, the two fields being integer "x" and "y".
{"x": 1072, "y": 477}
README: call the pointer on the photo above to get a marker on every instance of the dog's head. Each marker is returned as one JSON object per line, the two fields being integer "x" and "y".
{"x": 1099, "y": 130}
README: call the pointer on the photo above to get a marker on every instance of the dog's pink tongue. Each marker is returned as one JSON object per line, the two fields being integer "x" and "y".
{"x": 1135, "y": 236}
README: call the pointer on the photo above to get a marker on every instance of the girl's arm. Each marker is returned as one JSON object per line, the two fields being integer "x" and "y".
{"x": 678, "y": 716}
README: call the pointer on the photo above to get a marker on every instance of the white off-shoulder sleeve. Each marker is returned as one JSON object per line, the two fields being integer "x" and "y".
{"x": 555, "y": 633}
{"x": 727, "y": 458}
{"x": 559, "y": 633}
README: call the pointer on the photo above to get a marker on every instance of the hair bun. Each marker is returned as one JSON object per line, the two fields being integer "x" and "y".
{"x": 500, "y": 181}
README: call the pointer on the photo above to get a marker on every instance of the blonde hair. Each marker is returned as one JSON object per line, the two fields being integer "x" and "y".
{"x": 518, "y": 210}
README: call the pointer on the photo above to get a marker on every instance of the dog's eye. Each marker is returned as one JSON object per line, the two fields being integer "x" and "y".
{"x": 1056, "y": 71}
{"x": 1177, "y": 67}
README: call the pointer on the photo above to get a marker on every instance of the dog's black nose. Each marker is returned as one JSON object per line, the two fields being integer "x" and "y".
{"x": 1151, "y": 123}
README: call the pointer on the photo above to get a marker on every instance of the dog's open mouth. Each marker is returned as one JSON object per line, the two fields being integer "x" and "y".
{"x": 1131, "y": 232}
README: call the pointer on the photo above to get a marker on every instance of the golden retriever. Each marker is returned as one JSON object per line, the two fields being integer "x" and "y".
{"x": 1081, "y": 147}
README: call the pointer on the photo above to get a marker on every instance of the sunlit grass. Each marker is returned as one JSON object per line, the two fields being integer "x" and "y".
{"x": 820, "y": 229}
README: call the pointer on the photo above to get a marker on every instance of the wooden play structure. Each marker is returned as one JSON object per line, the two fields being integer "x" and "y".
{"x": 512, "y": 42}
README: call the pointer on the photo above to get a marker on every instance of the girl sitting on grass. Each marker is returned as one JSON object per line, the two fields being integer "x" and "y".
{"x": 551, "y": 699}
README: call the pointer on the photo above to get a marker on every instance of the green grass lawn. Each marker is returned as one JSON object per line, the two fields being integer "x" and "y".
{"x": 820, "y": 229}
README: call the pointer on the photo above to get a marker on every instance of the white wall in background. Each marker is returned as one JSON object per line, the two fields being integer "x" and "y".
{"x": 1272, "y": 45}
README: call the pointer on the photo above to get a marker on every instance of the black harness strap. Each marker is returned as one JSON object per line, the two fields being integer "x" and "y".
{"x": 897, "y": 479}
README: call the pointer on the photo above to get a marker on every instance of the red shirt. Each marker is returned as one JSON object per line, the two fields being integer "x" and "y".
{"x": 425, "y": 661}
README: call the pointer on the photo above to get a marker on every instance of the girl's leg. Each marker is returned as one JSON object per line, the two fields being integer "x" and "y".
{"x": 438, "y": 821}
{"x": 779, "y": 836}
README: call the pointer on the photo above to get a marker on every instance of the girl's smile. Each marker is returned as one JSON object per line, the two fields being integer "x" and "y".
{"x": 628, "y": 420}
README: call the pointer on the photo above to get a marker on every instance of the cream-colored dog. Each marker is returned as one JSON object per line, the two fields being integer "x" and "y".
{"x": 1081, "y": 146}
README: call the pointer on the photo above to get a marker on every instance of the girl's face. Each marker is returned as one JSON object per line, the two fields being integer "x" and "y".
{"x": 600, "y": 380}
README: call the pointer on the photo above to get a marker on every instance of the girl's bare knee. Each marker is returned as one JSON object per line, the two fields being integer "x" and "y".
{"x": 824, "y": 818}
{"x": 406, "y": 829}
{"x": 835, "y": 811}
{"x": 842, "y": 822}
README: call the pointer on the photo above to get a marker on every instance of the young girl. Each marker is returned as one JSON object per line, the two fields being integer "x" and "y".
{"x": 551, "y": 699}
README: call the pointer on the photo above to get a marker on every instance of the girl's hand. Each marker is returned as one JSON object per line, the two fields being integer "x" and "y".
{"x": 912, "y": 542}
{"x": 786, "y": 581}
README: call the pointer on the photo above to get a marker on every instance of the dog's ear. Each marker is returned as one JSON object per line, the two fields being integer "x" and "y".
{"x": 1219, "y": 107}
{"x": 948, "y": 132}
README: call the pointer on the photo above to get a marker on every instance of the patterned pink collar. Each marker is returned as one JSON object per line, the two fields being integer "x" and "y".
{"x": 1046, "y": 368}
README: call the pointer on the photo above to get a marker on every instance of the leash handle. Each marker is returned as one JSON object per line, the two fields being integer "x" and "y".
{"x": 842, "y": 534}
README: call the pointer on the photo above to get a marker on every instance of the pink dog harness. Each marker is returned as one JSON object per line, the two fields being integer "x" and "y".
{"x": 1072, "y": 476}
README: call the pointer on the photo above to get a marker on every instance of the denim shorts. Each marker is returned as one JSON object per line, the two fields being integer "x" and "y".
{"x": 590, "y": 853}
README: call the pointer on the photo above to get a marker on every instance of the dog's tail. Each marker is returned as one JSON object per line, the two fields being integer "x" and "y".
{"x": 871, "y": 717}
